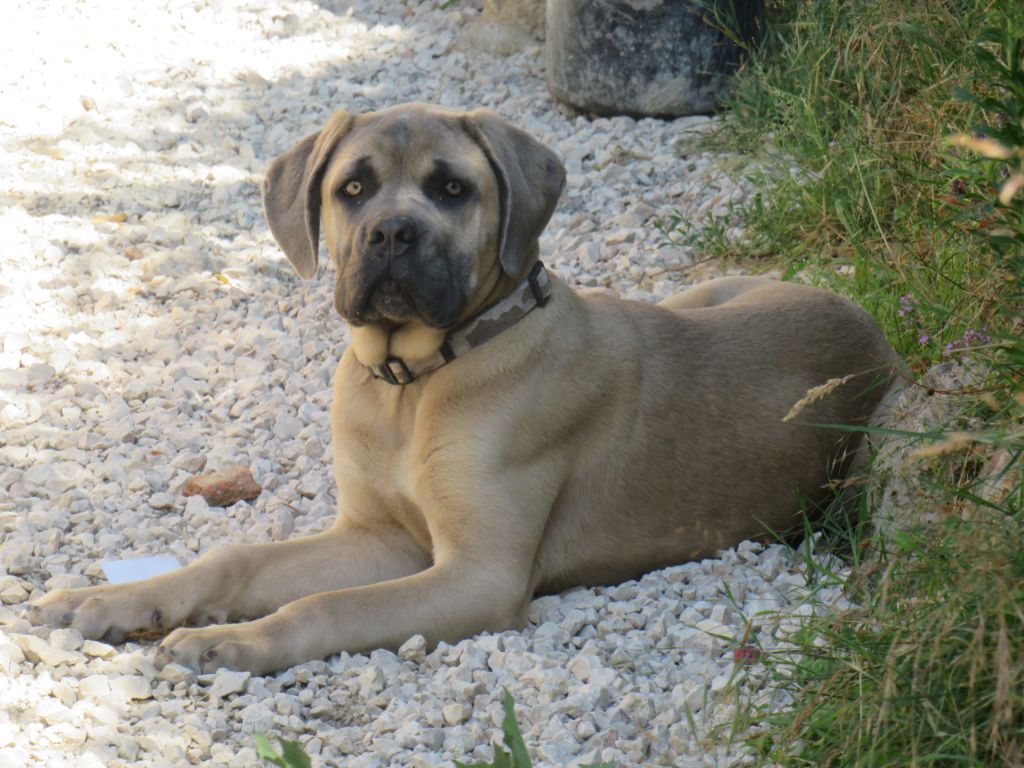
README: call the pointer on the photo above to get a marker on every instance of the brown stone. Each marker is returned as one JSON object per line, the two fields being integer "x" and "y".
{"x": 221, "y": 489}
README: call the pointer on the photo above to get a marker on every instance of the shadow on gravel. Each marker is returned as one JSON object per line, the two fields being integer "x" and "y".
{"x": 203, "y": 155}
{"x": 148, "y": 192}
{"x": 163, "y": 187}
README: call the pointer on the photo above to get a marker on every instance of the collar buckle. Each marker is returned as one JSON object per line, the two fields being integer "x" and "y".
{"x": 394, "y": 371}
{"x": 536, "y": 288}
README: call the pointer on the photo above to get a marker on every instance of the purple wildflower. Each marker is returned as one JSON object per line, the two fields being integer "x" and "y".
{"x": 907, "y": 305}
{"x": 971, "y": 338}
{"x": 923, "y": 339}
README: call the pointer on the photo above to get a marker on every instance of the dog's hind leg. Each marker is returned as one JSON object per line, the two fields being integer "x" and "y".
{"x": 714, "y": 292}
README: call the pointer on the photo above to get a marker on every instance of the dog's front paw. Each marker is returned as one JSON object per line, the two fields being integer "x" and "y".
{"x": 106, "y": 612}
{"x": 242, "y": 647}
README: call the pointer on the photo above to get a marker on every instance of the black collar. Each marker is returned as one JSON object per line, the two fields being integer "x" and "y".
{"x": 532, "y": 292}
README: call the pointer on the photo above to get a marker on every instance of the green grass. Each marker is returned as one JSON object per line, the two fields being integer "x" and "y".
{"x": 516, "y": 756}
{"x": 855, "y": 100}
{"x": 291, "y": 755}
{"x": 890, "y": 135}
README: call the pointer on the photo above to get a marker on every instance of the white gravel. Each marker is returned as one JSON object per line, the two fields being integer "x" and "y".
{"x": 151, "y": 328}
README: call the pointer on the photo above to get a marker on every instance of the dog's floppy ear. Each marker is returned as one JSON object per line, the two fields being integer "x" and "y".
{"x": 530, "y": 179}
{"x": 291, "y": 193}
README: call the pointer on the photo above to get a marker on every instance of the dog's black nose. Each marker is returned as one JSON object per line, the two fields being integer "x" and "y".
{"x": 394, "y": 235}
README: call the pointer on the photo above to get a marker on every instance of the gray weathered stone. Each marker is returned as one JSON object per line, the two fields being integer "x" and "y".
{"x": 643, "y": 57}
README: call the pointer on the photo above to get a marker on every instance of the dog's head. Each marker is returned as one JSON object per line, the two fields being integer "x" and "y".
{"x": 423, "y": 209}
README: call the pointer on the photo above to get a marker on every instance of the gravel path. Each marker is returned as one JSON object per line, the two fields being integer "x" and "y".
{"x": 149, "y": 327}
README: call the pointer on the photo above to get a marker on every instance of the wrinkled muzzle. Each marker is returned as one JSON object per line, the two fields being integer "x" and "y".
{"x": 397, "y": 273}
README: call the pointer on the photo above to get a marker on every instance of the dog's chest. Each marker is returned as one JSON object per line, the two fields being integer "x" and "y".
{"x": 376, "y": 466}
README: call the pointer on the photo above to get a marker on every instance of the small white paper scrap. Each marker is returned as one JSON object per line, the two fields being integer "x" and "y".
{"x": 135, "y": 568}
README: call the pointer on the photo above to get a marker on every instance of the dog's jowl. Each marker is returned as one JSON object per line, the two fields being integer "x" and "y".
{"x": 495, "y": 434}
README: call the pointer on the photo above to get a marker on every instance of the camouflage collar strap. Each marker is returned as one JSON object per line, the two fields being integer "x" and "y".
{"x": 531, "y": 293}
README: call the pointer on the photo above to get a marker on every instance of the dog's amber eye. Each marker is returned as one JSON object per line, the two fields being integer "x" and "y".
{"x": 353, "y": 188}
{"x": 453, "y": 188}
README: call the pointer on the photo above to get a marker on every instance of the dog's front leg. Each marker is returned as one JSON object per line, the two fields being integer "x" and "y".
{"x": 248, "y": 580}
{"x": 446, "y": 602}
{"x": 485, "y": 526}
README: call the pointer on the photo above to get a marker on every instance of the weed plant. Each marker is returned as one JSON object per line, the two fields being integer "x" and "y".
{"x": 860, "y": 192}
{"x": 515, "y": 756}
{"x": 290, "y": 756}
{"x": 894, "y": 173}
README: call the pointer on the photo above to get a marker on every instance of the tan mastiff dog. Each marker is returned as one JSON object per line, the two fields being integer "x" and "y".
{"x": 496, "y": 435}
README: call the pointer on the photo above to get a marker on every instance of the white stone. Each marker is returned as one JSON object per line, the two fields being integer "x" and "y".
{"x": 176, "y": 673}
{"x": 94, "y": 686}
{"x": 284, "y": 524}
{"x": 97, "y": 649}
{"x": 40, "y": 373}
{"x": 585, "y": 666}
{"x": 197, "y": 510}
{"x": 193, "y": 463}
{"x": 12, "y": 621}
{"x": 15, "y": 342}
{"x": 53, "y": 479}
{"x": 413, "y": 649}
{"x": 67, "y": 581}
{"x": 227, "y": 682}
{"x": 38, "y": 650}
{"x": 161, "y": 500}
{"x": 67, "y": 639}
{"x": 287, "y": 426}
{"x": 130, "y": 687}
{"x": 456, "y": 713}
{"x": 11, "y": 654}
{"x": 13, "y": 590}
{"x": 66, "y": 733}
{"x": 309, "y": 486}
